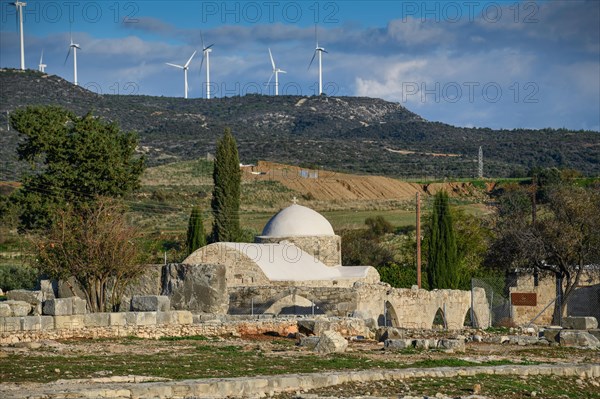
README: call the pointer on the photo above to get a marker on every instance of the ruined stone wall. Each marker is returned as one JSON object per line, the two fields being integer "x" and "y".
{"x": 241, "y": 270}
{"x": 416, "y": 308}
{"x": 327, "y": 249}
{"x": 140, "y": 324}
{"x": 585, "y": 300}
{"x": 405, "y": 308}
{"x": 331, "y": 301}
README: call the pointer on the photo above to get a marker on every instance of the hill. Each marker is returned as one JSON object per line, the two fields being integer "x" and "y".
{"x": 352, "y": 134}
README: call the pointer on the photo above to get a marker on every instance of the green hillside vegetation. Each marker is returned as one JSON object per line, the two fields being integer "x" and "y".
{"x": 354, "y": 134}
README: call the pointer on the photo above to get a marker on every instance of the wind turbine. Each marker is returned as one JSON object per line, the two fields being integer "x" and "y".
{"x": 75, "y": 47}
{"x": 276, "y": 72}
{"x": 206, "y": 50}
{"x": 319, "y": 50}
{"x": 42, "y": 66}
{"x": 185, "y": 69}
{"x": 19, "y": 8}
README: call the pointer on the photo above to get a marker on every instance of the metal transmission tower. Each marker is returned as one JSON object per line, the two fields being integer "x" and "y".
{"x": 480, "y": 164}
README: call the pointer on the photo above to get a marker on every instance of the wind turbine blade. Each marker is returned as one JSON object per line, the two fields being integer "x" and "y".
{"x": 209, "y": 46}
{"x": 269, "y": 82}
{"x": 173, "y": 65}
{"x": 202, "y": 62}
{"x": 325, "y": 51}
{"x": 202, "y": 39}
{"x": 316, "y": 36}
{"x": 281, "y": 71}
{"x": 67, "y": 57}
{"x": 312, "y": 59}
{"x": 272, "y": 61}
{"x": 41, "y": 57}
{"x": 190, "y": 60}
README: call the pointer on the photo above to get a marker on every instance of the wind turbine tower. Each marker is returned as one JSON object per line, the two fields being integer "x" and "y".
{"x": 276, "y": 72}
{"x": 185, "y": 69}
{"x": 319, "y": 50}
{"x": 206, "y": 50}
{"x": 75, "y": 47}
{"x": 19, "y": 8}
{"x": 42, "y": 66}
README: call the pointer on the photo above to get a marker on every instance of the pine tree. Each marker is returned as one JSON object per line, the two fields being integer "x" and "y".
{"x": 227, "y": 179}
{"x": 442, "y": 259}
{"x": 195, "y": 233}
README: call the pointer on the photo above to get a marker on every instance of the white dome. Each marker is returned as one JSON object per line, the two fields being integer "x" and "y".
{"x": 297, "y": 220}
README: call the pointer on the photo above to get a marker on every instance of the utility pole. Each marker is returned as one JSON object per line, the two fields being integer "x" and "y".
{"x": 418, "y": 237}
{"x": 480, "y": 163}
{"x": 533, "y": 199}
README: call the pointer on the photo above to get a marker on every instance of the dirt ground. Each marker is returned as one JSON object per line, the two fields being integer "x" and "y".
{"x": 326, "y": 185}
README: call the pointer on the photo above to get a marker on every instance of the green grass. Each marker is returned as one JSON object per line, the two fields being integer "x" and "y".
{"x": 194, "y": 358}
{"x": 491, "y": 386}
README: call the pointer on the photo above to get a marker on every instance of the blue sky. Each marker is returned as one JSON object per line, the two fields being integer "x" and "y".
{"x": 502, "y": 64}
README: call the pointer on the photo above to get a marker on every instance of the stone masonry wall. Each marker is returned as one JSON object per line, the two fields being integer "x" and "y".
{"x": 585, "y": 300}
{"x": 241, "y": 270}
{"x": 406, "y": 308}
{"x": 140, "y": 324}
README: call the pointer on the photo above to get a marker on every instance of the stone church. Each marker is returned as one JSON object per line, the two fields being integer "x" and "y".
{"x": 295, "y": 267}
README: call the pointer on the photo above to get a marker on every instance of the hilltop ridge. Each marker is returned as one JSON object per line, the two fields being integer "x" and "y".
{"x": 353, "y": 134}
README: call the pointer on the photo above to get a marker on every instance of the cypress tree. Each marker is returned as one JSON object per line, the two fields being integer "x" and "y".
{"x": 442, "y": 259}
{"x": 195, "y": 233}
{"x": 227, "y": 179}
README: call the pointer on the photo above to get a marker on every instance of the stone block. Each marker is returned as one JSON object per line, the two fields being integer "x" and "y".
{"x": 330, "y": 342}
{"x": 551, "y": 334}
{"x": 37, "y": 323}
{"x": 184, "y": 317}
{"x": 47, "y": 289}
{"x": 309, "y": 342}
{"x": 422, "y": 344}
{"x": 384, "y": 333}
{"x": 397, "y": 344}
{"x": 163, "y": 318}
{"x": 140, "y": 318}
{"x": 70, "y": 322}
{"x": 18, "y": 308}
{"x": 580, "y": 323}
{"x": 197, "y": 288}
{"x": 78, "y": 305}
{"x": 10, "y": 324}
{"x": 117, "y": 319}
{"x": 578, "y": 339}
{"x": 34, "y": 298}
{"x": 96, "y": 319}
{"x": 58, "y": 307}
{"x": 5, "y": 310}
{"x": 457, "y": 345}
{"x": 150, "y": 303}
{"x": 595, "y": 332}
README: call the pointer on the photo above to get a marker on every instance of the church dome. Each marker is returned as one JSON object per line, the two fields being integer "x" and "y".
{"x": 297, "y": 220}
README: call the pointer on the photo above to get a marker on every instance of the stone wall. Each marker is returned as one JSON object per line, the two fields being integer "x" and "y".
{"x": 585, "y": 300}
{"x": 327, "y": 249}
{"x": 332, "y": 301}
{"x": 241, "y": 270}
{"x": 139, "y": 324}
{"x": 417, "y": 308}
{"x": 198, "y": 288}
{"x": 377, "y": 303}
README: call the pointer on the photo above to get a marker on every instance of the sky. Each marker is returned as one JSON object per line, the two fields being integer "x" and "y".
{"x": 503, "y": 64}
